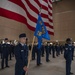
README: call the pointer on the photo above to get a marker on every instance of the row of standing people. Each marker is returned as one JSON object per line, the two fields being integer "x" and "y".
{"x": 54, "y": 50}
{"x": 7, "y": 50}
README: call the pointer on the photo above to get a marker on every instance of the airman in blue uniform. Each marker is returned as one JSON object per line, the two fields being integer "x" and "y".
{"x": 5, "y": 53}
{"x": 13, "y": 46}
{"x": 29, "y": 47}
{"x": 68, "y": 55}
{"x": 57, "y": 49}
{"x": 0, "y": 50}
{"x": 42, "y": 49}
{"x": 61, "y": 49}
{"x": 50, "y": 48}
{"x": 33, "y": 52}
{"x": 53, "y": 50}
{"x": 73, "y": 47}
{"x": 10, "y": 50}
{"x": 21, "y": 55}
{"x": 47, "y": 52}
{"x": 38, "y": 50}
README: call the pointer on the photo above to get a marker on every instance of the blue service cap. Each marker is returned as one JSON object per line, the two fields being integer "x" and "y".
{"x": 6, "y": 38}
{"x": 22, "y": 35}
{"x": 68, "y": 39}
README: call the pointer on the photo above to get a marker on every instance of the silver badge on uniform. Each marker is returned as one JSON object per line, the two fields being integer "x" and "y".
{"x": 66, "y": 48}
{"x": 22, "y": 50}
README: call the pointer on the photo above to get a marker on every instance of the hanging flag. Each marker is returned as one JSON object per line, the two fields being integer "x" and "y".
{"x": 26, "y": 11}
{"x": 41, "y": 31}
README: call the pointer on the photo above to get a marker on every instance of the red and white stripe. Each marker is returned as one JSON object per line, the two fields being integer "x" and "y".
{"x": 26, "y": 11}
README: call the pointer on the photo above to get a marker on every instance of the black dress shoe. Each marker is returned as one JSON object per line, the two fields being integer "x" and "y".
{"x": 71, "y": 73}
{"x": 40, "y": 63}
{"x": 53, "y": 57}
{"x": 48, "y": 60}
{"x": 42, "y": 55}
{"x": 2, "y": 68}
{"x": 33, "y": 58}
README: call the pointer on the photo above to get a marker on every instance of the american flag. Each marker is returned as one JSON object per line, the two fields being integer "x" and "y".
{"x": 26, "y": 11}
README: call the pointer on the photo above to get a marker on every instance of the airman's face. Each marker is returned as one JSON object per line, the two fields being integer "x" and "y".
{"x": 6, "y": 41}
{"x": 69, "y": 42}
{"x": 23, "y": 40}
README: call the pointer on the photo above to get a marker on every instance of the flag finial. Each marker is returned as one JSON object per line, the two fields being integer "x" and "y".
{"x": 41, "y": 7}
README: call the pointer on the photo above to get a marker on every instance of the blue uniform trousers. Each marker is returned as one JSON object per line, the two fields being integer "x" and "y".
{"x": 68, "y": 67}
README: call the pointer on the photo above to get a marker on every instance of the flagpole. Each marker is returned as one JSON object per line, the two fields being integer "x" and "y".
{"x": 29, "y": 58}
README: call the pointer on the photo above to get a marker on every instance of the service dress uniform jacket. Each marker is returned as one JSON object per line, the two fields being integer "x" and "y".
{"x": 68, "y": 57}
{"x": 21, "y": 55}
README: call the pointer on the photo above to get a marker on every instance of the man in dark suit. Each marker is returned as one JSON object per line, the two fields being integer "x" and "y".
{"x": 21, "y": 55}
